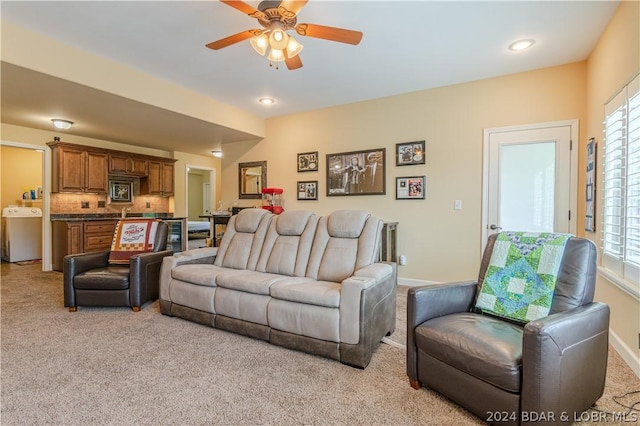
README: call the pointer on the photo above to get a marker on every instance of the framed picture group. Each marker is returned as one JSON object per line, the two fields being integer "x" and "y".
{"x": 363, "y": 172}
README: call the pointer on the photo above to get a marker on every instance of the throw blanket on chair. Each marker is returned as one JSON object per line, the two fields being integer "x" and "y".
{"x": 132, "y": 236}
{"x": 521, "y": 276}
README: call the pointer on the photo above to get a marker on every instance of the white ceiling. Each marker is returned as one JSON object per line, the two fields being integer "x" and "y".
{"x": 407, "y": 46}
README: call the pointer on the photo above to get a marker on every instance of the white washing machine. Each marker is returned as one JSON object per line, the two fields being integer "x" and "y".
{"x": 21, "y": 233}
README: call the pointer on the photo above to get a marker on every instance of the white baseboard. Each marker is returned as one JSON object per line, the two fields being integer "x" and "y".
{"x": 410, "y": 282}
{"x": 625, "y": 352}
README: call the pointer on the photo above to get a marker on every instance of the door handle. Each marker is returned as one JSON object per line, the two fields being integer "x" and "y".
{"x": 495, "y": 227}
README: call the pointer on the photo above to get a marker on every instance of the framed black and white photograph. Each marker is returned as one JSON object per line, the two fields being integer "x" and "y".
{"x": 308, "y": 190}
{"x": 356, "y": 173}
{"x": 590, "y": 223}
{"x": 308, "y": 162}
{"x": 121, "y": 191}
{"x": 411, "y": 188}
{"x": 410, "y": 153}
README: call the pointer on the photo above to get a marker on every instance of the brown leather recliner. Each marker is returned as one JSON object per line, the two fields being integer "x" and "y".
{"x": 89, "y": 279}
{"x": 545, "y": 372}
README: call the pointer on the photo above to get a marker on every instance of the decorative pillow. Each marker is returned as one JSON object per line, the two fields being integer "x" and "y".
{"x": 521, "y": 276}
{"x": 132, "y": 236}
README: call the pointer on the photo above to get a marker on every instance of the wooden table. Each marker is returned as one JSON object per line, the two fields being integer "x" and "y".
{"x": 216, "y": 219}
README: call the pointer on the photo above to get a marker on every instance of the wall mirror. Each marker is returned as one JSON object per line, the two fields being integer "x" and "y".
{"x": 252, "y": 177}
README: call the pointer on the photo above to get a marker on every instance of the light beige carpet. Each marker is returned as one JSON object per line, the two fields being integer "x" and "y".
{"x": 110, "y": 366}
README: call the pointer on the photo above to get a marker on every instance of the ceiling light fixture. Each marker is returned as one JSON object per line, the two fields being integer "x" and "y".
{"x": 280, "y": 45}
{"x": 61, "y": 124}
{"x": 519, "y": 45}
{"x": 216, "y": 153}
{"x": 266, "y": 101}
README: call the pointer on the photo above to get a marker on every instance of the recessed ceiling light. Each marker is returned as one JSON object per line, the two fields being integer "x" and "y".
{"x": 266, "y": 101}
{"x": 522, "y": 44}
{"x": 61, "y": 124}
{"x": 216, "y": 153}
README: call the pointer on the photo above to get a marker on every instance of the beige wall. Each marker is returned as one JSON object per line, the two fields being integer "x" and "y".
{"x": 20, "y": 168}
{"x": 440, "y": 244}
{"x": 614, "y": 61}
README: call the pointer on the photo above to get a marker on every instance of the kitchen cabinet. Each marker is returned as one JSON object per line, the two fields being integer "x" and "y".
{"x": 78, "y": 170}
{"x": 73, "y": 237}
{"x": 161, "y": 180}
{"x": 123, "y": 164}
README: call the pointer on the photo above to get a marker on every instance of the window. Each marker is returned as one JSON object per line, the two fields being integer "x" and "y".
{"x": 621, "y": 199}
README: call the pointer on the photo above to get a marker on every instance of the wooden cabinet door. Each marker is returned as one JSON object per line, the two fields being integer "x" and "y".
{"x": 96, "y": 179}
{"x": 71, "y": 170}
{"x": 154, "y": 181}
{"x": 167, "y": 178}
{"x": 139, "y": 166}
{"x": 74, "y": 238}
{"x": 119, "y": 164}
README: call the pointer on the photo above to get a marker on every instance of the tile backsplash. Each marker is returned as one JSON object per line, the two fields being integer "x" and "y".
{"x": 62, "y": 203}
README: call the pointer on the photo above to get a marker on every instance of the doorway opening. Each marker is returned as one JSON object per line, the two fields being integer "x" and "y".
{"x": 200, "y": 199}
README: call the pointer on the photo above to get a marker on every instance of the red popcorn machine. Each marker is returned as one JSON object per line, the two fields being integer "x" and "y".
{"x": 272, "y": 200}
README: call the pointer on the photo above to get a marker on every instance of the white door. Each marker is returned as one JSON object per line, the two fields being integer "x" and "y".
{"x": 529, "y": 175}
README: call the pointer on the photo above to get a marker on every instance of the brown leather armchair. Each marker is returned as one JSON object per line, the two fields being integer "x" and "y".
{"x": 545, "y": 372}
{"x": 89, "y": 279}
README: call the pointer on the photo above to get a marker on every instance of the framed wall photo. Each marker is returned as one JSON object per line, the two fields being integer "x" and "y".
{"x": 308, "y": 190}
{"x": 590, "y": 223}
{"x": 356, "y": 173}
{"x": 411, "y": 188}
{"x": 410, "y": 153}
{"x": 308, "y": 162}
{"x": 121, "y": 191}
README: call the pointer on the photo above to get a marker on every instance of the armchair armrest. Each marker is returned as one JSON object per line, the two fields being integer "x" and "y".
{"x": 144, "y": 276}
{"x": 569, "y": 347}
{"x": 74, "y": 264}
{"x": 432, "y": 301}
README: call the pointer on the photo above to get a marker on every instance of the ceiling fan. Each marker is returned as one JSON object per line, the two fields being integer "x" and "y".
{"x": 276, "y": 18}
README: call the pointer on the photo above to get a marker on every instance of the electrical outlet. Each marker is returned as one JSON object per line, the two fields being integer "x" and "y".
{"x": 101, "y": 204}
{"x": 84, "y": 204}
{"x": 148, "y": 205}
{"x": 402, "y": 260}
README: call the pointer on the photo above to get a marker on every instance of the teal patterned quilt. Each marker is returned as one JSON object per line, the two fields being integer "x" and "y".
{"x": 521, "y": 276}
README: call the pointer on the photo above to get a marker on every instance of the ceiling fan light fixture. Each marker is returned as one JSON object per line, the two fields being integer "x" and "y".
{"x": 59, "y": 123}
{"x": 260, "y": 44}
{"x": 278, "y": 39}
{"x": 276, "y": 55}
{"x": 293, "y": 47}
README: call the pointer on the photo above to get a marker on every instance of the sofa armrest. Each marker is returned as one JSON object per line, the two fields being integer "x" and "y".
{"x": 569, "y": 350}
{"x": 74, "y": 264}
{"x": 367, "y": 311}
{"x": 144, "y": 276}
{"x": 432, "y": 301}
{"x": 206, "y": 255}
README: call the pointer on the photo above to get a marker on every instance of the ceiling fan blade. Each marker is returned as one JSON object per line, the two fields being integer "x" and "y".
{"x": 329, "y": 33}
{"x": 292, "y": 63}
{"x": 244, "y": 8}
{"x": 233, "y": 39}
{"x": 290, "y": 8}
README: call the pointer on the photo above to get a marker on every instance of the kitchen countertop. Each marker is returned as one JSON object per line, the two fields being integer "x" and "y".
{"x": 78, "y": 217}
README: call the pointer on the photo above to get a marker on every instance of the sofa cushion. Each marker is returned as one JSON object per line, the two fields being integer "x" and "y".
{"x": 107, "y": 278}
{"x": 314, "y": 321}
{"x": 306, "y": 290}
{"x": 243, "y": 239}
{"x": 248, "y": 281}
{"x": 484, "y": 347}
{"x": 287, "y": 244}
{"x": 293, "y": 222}
{"x": 200, "y": 274}
{"x": 346, "y": 223}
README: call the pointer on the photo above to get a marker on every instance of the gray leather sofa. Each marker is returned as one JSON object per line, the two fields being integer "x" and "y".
{"x": 296, "y": 280}
{"x": 545, "y": 372}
